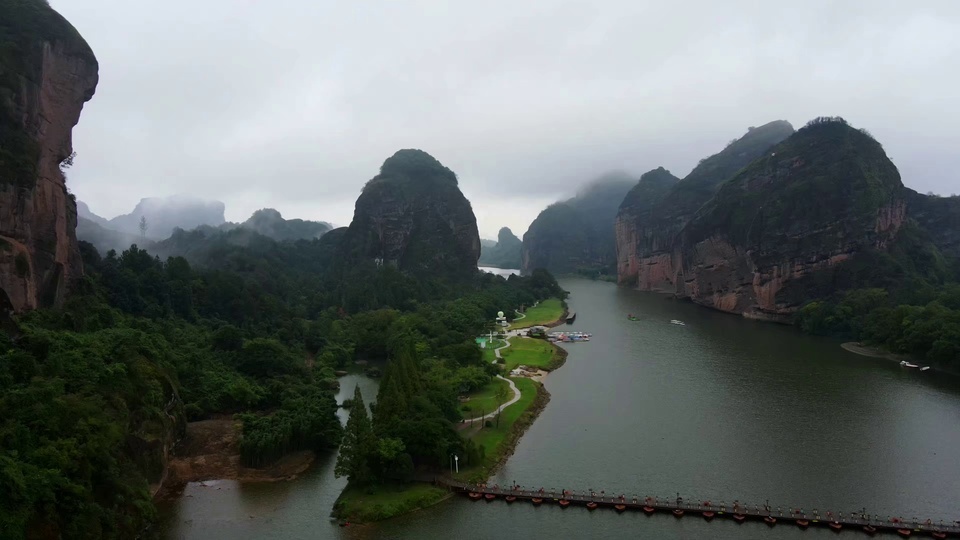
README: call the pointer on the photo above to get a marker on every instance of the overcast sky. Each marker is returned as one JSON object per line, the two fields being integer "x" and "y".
{"x": 294, "y": 104}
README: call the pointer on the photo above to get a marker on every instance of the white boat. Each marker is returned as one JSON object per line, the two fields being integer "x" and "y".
{"x": 904, "y": 363}
{"x": 674, "y": 321}
{"x": 924, "y": 368}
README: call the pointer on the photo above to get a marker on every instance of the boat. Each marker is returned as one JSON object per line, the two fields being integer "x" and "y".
{"x": 708, "y": 515}
{"x": 474, "y": 496}
{"x": 906, "y": 364}
{"x": 678, "y": 513}
{"x": 836, "y": 526}
{"x": 678, "y": 323}
{"x": 563, "y": 503}
{"x": 632, "y": 317}
{"x": 802, "y": 523}
{"x": 938, "y": 534}
{"x": 870, "y": 530}
{"x": 904, "y": 532}
{"x": 537, "y": 501}
{"x": 490, "y": 497}
{"x": 510, "y": 498}
{"x": 649, "y": 509}
{"x": 591, "y": 506}
{"x": 620, "y": 507}
{"x": 739, "y": 518}
{"x": 572, "y": 316}
{"x": 924, "y": 368}
{"x": 770, "y": 520}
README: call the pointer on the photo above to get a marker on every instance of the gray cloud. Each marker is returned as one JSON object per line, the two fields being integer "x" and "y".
{"x": 295, "y": 104}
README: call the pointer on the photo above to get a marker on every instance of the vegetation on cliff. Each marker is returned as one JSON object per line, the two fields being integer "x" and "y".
{"x": 646, "y": 195}
{"x": 577, "y": 235}
{"x": 505, "y": 253}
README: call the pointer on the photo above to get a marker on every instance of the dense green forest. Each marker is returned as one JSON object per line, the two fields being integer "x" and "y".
{"x": 93, "y": 392}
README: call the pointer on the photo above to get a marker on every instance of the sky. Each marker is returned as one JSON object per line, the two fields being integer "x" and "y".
{"x": 294, "y": 104}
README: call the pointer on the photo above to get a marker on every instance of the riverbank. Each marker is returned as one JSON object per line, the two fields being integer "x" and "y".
{"x": 210, "y": 450}
{"x": 550, "y": 312}
{"x": 873, "y": 352}
{"x": 377, "y": 503}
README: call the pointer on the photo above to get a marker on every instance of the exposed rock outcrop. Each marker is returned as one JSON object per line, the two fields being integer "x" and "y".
{"x": 656, "y": 228}
{"x": 637, "y": 207}
{"x": 412, "y": 216}
{"x": 43, "y": 87}
{"x": 764, "y": 243}
{"x": 578, "y": 234}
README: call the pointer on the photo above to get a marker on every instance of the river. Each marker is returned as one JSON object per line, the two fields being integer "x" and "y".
{"x": 722, "y": 408}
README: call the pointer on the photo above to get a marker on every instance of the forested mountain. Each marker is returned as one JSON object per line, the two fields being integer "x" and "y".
{"x": 504, "y": 253}
{"x": 577, "y": 235}
{"x": 161, "y": 215}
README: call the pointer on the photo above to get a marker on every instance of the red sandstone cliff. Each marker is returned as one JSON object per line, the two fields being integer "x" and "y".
{"x": 41, "y": 96}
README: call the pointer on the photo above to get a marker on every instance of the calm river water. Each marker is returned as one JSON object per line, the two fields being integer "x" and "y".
{"x": 720, "y": 409}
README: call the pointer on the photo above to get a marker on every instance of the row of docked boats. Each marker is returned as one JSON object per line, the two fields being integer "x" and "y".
{"x": 568, "y": 337}
{"x": 906, "y": 364}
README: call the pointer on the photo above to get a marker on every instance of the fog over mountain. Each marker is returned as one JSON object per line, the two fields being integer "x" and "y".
{"x": 292, "y": 105}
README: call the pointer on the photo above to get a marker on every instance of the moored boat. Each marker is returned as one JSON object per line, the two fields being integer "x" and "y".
{"x": 649, "y": 509}
{"x": 708, "y": 515}
{"x": 563, "y": 503}
{"x": 938, "y": 534}
{"x": 770, "y": 520}
{"x": 906, "y": 364}
{"x": 510, "y": 498}
{"x": 620, "y": 507}
{"x": 802, "y": 523}
{"x": 490, "y": 497}
{"x": 678, "y": 513}
{"x": 537, "y": 501}
{"x": 904, "y": 532}
{"x": 870, "y": 530}
{"x": 474, "y": 496}
{"x": 836, "y": 526}
{"x": 739, "y": 518}
{"x": 591, "y": 506}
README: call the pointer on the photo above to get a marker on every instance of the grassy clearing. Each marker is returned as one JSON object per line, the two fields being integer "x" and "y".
{"x": 376, "y": 503}
{"x": 499, "y": 442}
{"x": 488, "y": 355}
{"x": 485, "y": 399}
{"x": 528, "y": 352}
{"x": 545, "y": 312}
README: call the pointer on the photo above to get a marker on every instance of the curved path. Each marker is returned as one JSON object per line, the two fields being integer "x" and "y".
{"x": 513, "y": 387}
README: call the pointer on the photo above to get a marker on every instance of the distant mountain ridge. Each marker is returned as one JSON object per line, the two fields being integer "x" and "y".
{"x": 504, "y": 253}
{"x": 577, "y": 235}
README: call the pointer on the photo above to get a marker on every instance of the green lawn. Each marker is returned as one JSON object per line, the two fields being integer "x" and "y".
{"x": 545, "y": 312}
{"x": 485, "y": 400}
{"x": 493, "y": 438}
{"x": 363, "y": 505}
{"x": 488, "y": 355}
{"x": 529, "y": 352}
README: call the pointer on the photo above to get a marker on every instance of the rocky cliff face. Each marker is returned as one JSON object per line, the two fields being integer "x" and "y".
{"x": 42, "y": 90}
{"x": 637, "y": 207}
{"x": 819, "y": 198}
{"x": 412, "y": 216}
{"x": 655, "y": 229}
{"x": 577, "y": 234}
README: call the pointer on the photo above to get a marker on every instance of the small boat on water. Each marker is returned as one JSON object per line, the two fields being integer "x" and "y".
{"x": 904, "y": 532}
{"x": 836, "y": 526}
{"x": 649, "y": 509}
{"x": 938, "y": 534}
{"x": 490, "y": 497}
{"x": 770, "y": 520}
{"x": 739, "y": 518}
{"x": 677, "y": 513}
{"x": 620, "y": 507}
{"x": 802, "y": 523}
{"x": 678, "y": 323}
{"x": 591, "y": 506}
{"x": 537, "y": 501}
{"x": 563, "y": 503}
{"x": 906, "y": 364}
{"x": 924, "y": 368}
{"x": 474, "y": 496}
{"x": 708, "y": 515}
{"x": 870, "y": 530}
{"x": 510, "y": 498}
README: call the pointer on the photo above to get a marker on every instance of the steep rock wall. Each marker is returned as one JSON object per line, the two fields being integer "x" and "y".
{"x": 40, "y": 102}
